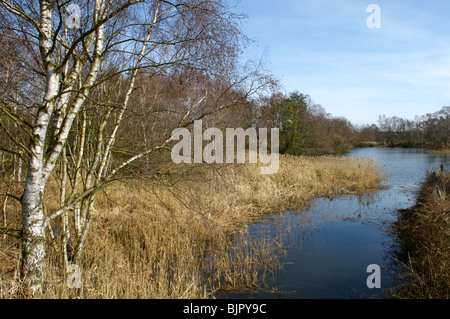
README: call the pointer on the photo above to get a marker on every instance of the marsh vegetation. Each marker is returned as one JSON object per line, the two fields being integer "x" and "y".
{"x": 186, "y": 237}
{"x": 424, "y": 235}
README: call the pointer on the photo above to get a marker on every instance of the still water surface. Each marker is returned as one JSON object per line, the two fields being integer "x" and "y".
{"x": 331, "y": 243}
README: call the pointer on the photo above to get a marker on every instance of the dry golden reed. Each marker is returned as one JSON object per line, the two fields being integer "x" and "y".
{"x": 424, "y": 233}
{"x": 178, "y": 238}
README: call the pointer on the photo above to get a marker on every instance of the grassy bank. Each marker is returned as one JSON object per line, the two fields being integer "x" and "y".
{"x": 370, "y": 144}
{"x": 440, "y": 151}
{"x": 424, "y": 234}
{"x": 428, "y": 148}
{"x": 185, "y": 236}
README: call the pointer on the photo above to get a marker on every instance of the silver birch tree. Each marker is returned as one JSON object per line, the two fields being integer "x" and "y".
{"x": 65, "y": 65}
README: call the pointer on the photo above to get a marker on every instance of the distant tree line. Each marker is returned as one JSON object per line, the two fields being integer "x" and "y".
{"x": 430, "y": 130}
{"x": 305, "y": 127}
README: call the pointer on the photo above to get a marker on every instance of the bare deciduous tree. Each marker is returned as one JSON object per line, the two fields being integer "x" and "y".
{"x": 78, "y": 87}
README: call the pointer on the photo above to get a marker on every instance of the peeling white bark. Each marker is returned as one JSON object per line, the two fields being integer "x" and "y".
{"x": 40, "y": 168}
{"x": 33, "y": 219}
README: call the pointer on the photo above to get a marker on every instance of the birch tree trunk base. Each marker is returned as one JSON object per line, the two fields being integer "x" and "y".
{"x": 33, "y": 265}
{"x": 33, "y": 251}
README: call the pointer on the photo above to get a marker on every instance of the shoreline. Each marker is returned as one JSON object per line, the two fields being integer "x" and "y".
{"x": 381, "y": 144}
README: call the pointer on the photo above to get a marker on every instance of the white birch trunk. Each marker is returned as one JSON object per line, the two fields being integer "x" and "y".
{"x": 40, "y": 168}
{"x": 19, "y": 167}
{"x": 33, "y": 217}
{"x": 33, "y": 242}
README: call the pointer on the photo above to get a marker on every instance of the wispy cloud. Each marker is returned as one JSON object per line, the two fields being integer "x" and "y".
{"x": 323, "y": 48}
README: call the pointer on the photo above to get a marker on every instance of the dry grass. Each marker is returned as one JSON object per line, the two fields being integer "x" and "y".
{"x": 439, "y": 151}
{"x": 180, "y": 241}
{"x": 424, "y": 232}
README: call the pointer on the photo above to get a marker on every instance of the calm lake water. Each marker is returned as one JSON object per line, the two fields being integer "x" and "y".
{"x": 331, "y": 243}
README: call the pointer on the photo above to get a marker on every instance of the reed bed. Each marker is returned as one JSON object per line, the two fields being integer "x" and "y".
{"x": 184, "y": 235}
{"x": 424, "y": 235}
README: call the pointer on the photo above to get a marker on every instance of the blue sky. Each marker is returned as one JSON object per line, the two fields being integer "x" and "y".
{"x": 324, "y": 48}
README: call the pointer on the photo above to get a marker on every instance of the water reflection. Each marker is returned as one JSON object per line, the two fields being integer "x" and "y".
{"x": 331, "y": 243}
